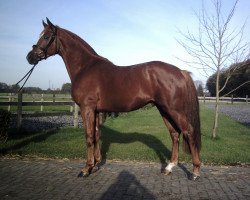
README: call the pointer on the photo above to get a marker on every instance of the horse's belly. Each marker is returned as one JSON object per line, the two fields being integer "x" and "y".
{"x": 123, "y": 103}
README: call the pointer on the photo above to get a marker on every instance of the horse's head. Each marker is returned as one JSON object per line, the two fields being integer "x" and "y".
{"x": 46, "y": 45}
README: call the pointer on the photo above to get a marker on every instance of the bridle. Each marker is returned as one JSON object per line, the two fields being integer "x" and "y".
{"x": 45, "y": 49}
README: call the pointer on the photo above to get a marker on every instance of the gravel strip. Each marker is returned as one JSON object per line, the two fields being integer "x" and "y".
{"x": 239, "y": 112}
{"x": 45, "y": 122}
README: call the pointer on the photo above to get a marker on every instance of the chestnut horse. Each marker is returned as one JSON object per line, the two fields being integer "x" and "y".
{"x": 100, "y": 86}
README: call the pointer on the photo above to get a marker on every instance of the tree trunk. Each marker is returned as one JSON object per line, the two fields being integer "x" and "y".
{"x": 214, "y": 134}
{"x": 217, "y": 101}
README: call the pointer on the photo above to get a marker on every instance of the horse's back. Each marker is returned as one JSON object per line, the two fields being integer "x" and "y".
{"x": 129, "y": 88}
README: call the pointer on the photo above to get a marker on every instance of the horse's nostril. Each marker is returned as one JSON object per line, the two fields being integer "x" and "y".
{"x": 28, "y": 57}
{"x": 31, "y": 58}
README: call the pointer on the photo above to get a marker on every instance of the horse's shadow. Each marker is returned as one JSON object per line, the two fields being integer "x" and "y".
{"x": 109, "y": 136}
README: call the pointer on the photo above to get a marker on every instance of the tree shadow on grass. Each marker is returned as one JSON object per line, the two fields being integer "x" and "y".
{"x": 27, "y": 138}
{"x": 109, "y": 136}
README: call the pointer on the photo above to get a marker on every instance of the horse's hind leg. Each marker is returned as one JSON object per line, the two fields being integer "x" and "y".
{"x": 188, "y": 133}
{"x": 195, "y": 154}
{"x": 175, "y": 146}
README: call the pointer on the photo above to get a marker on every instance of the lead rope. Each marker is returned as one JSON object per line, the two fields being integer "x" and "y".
{"x": 26, "y": 75}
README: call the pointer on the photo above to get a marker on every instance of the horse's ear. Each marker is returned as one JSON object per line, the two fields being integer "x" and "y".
{"x": 49, "y": 23}
{"x": 44, "y": 24}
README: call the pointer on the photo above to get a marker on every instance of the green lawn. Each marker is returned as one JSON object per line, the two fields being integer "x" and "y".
{"x": 37, "y": 109}
{"x": 140, "y": 135}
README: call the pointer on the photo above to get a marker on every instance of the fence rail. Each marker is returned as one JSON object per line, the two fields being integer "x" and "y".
{"x": 37, "y": 103}
{"x": 11, "y": 99}
{"x": 231, "y": 99}
{"x": 41, "y": 100}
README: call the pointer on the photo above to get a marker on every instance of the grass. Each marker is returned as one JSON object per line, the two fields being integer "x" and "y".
{"x": 232, "y": 143}
{"x": 140, "y": 135}
{"x": 37, "y": 109}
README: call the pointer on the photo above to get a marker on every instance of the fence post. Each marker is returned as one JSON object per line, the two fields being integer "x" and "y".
{"x": 42, "y": 103}
{"x": 19, "y": 110}
{"x": 71, "y": 106}
{"x": 76, "y": 116}
{"x": 9, "y": 101}
{"x": 247, "y": 99}
{"x": 204, "y": 98}
{"x": 232, "y": 99}
{"x": 54, "y": 97}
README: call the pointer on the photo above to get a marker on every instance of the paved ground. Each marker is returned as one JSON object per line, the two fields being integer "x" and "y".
{"x": 57, "y": 179}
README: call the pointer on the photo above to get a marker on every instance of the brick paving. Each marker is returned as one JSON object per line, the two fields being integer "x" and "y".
{"x": 29, "y": 178}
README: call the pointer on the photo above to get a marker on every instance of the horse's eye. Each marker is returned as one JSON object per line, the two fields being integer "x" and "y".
{"x": 45, "y": 37}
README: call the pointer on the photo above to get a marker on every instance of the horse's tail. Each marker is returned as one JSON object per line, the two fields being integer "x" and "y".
{"x": 192, "y": 113}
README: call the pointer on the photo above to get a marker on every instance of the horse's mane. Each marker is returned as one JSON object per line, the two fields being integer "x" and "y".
{"x": 83, "y": 43}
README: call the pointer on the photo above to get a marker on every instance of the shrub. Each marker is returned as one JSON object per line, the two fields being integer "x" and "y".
{"x": 4, "y": 124}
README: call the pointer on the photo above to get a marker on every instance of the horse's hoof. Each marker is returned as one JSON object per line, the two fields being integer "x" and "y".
{"x": 196, "y": 177}
{"x": 166, "y": 172}
{"x": 83, "y": 174}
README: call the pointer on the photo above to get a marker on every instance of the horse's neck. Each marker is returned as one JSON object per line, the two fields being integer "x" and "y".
{"x": 80, "y": 41}
{"x": 76, "y": 53}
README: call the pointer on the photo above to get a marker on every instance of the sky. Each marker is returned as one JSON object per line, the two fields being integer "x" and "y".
{"x": 126, "y": 32}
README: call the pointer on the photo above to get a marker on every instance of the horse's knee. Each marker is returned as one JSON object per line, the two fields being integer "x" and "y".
{"x": 90, "y": 141}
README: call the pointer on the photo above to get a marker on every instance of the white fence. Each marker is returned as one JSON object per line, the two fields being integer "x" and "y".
{"x": 231, "y": 99}
{"x": 37, "y": 100}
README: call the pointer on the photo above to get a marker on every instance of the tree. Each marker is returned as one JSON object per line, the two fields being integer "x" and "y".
{"x": 199, "y": 87}
{"x": 3, "y": 87}
{"x": 197, "y": 83}
{"x": 14, "y": 88}
{"x": 200, "y": 90}
{"x": 216, "y": 46}
{"x": 239, "y": 83}
{"x": 66, "y": 87}
{"x": 32, "y": 90}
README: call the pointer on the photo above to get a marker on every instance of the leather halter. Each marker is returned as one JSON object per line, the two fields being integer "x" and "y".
{"x": 45, "y": 49}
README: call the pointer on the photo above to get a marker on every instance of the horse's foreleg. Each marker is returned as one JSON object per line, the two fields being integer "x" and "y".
{"x": 88, "y": 116}
{"x": 96, "y": 143}
{"x": 175, "y": 147}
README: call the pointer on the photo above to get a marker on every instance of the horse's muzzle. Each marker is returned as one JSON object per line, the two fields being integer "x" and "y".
{"x": 32, "y": 58}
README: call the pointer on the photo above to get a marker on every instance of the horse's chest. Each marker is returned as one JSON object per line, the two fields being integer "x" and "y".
{"x": 84, "y": 93}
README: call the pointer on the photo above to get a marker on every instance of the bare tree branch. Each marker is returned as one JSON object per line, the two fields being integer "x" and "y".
{"x": 217, "y": 45}
{"x": 247, "y": 82}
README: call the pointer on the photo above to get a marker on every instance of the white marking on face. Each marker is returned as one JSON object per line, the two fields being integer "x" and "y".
{"x": 41, "y": 34}
{"x": 170, "y": 167}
